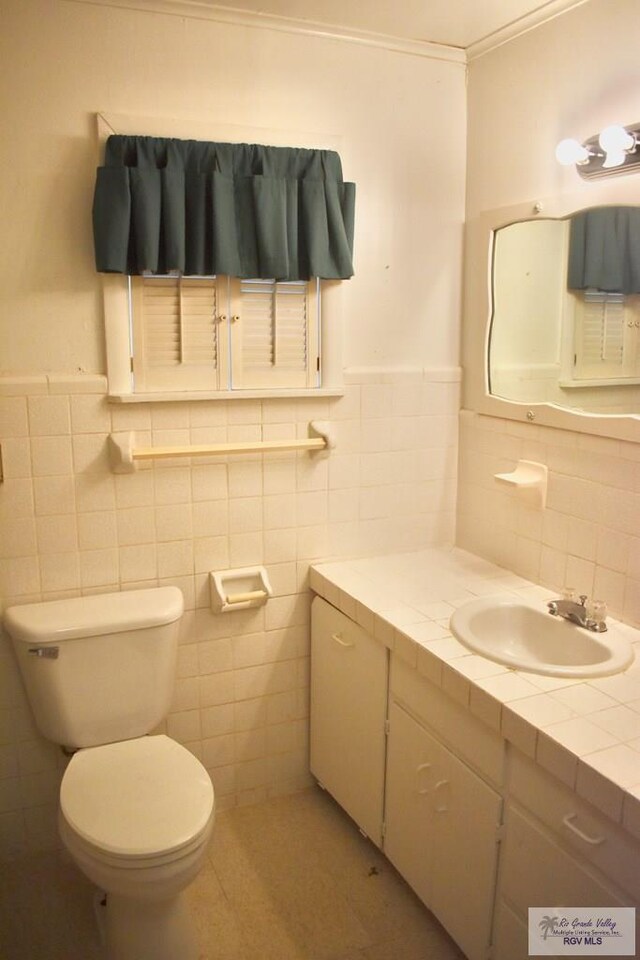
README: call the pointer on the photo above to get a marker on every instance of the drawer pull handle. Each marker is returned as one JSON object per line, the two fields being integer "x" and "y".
{"x": 343, "y": 643}
{"x": 423, "y": 766}
{"x": 568, "y": 822}
{"x": 438, "y": 786}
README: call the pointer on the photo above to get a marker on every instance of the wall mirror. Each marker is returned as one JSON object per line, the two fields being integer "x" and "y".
{"x": 552, "y": 325}
{"x": 565, "y": 321}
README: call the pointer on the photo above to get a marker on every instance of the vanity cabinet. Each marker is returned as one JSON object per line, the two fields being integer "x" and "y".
{"x": 427, "y": 782}
{"x": 441, "y": 817}
{"x": 573, "y": 855}
{"x": 441, "y": 812}
{"x": 348, "y": 708}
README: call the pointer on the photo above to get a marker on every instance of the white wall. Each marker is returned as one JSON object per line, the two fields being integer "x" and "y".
{"x": 67, "y": 524}
{"x": 63, "y": 61}
{"x": 569, "y": 78}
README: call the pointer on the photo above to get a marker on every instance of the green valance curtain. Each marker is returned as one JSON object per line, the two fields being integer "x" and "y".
{"x": 202, "y": 208}
{"x": 604, "y": 250}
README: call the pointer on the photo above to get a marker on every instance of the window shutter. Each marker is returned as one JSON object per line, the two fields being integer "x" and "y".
{"x": 176, "y": 333}
{"x": 603, "y": 329}
{"x": 607, "y": 337}
{"x": 600, "y": 335}
{"x": 274, "y": 333}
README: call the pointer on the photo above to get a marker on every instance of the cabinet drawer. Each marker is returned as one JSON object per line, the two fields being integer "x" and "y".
{"x": 511, "y": 937}
{"x": 593, "y": 837}
{"x": 470, "y": 739}
{"x": 537, "y": 872}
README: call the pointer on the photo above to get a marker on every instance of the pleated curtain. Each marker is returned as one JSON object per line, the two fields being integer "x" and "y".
{"x": 201, "y": 208}
{"x": 604, "y": 250}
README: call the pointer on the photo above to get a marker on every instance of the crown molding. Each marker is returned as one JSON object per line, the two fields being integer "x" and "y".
{"x": 200, "y": 10}
{"x": 203, "y": 10}
{"x": 550, "y": 10}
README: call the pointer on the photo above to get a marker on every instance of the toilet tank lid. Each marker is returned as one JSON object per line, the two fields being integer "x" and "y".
{"x": 93, "y": 616}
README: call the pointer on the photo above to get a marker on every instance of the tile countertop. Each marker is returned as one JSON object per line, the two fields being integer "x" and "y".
{"x": 585, "y": 732}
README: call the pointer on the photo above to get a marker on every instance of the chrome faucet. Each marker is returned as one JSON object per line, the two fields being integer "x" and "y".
{"x": 577, "y": 612}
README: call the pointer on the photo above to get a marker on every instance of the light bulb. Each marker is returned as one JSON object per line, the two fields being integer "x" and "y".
{"x": 614, "y": 158}
{"x": 615, "y": 139}
{"x": 570, "y": 151}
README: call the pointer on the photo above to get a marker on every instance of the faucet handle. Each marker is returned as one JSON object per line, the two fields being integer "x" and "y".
{"x": 583, "y": 598}
{"x": 597, "y": 610}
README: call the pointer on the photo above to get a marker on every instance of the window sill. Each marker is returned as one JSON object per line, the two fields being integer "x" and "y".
{"x": 600, "y": 382}
{"x": 170, "y": 397}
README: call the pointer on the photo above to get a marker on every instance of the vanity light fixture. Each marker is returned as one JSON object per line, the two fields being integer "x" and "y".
{"x": 616, "y": 150}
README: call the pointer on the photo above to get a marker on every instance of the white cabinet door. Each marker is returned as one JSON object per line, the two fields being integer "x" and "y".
{"x": 408, "y": 839}
{"x": 466, "y": 820}
{"x": 348, "y": 711}
{"x": 441, "y": 824}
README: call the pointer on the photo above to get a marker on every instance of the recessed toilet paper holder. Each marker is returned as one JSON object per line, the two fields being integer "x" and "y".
{"x": 238, "y": 589}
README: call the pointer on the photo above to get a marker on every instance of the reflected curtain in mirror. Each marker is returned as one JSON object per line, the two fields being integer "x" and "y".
{"x": 200, "y": 208}
{"x": 604, "y": 250}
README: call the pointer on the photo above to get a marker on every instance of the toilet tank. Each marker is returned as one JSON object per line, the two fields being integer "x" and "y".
{"x": 101, "y": 668}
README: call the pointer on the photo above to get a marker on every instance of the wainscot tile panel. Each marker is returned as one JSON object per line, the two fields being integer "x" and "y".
{"x": 587, "y": 537}
{"x": 68, "y": 526}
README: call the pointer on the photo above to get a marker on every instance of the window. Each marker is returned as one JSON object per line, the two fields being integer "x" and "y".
{"x": 222, "y": 333}
{"x": 189, "y": 353}
{"x": 607, "y": 336}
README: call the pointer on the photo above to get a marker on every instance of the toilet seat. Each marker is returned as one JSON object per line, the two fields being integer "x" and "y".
{"x": 137, "y": 802}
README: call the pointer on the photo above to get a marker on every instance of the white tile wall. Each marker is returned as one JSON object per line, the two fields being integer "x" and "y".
{"x": 588, "y": 536}
{"x": 69, "y": 526}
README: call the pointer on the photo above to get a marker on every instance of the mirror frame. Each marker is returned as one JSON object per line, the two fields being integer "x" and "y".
{"x": 479, "y": 243}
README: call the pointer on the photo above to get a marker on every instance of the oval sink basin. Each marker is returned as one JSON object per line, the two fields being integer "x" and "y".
{"x": 520, "y": 634}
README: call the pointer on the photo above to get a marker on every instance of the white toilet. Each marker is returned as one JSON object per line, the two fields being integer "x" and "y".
{"x": 136, "y": 811}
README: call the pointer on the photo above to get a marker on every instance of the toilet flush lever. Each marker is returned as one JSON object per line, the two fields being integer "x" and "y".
{"x": 48, "y": 652}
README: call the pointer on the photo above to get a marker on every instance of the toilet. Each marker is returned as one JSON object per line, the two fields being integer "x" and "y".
{"x": 136, "y": 811}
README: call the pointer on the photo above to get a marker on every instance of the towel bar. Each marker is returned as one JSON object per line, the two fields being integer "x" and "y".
{"x": 124, "y": 454}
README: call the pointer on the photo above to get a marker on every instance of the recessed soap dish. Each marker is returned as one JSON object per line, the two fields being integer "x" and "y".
{"x": 238, "y": 589}
{"x": 529, "y": 481}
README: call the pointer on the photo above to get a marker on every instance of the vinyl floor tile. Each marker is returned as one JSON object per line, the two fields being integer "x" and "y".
{"x": 288, "y": 879}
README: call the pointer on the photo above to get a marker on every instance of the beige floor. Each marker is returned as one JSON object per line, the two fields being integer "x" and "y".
{"x": 290, "y": 879}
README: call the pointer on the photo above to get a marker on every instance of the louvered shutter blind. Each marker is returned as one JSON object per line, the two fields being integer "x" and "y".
{"x": 274, "y": 334}
{"x": 176, "y": 333}
{"x": 600, "y": 341}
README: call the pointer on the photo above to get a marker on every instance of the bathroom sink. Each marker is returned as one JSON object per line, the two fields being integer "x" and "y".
{"x": 523, "y": 635}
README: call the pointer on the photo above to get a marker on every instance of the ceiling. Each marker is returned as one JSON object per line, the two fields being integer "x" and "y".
{"x": 458, "y": 23}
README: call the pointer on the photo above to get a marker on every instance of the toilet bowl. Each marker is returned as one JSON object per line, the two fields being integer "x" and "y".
{"x": 136, "y": 816}
{"x": 136, "y": 811}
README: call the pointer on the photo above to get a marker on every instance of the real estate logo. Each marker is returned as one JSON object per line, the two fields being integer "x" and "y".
{"x": 582, "y": 931}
